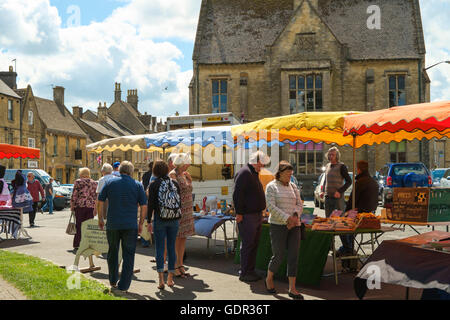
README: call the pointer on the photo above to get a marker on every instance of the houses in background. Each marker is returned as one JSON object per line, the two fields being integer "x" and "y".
{"x": 62, "y": 137}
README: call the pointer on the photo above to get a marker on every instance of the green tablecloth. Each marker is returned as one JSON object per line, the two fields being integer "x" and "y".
{"x": 312, "y": 257}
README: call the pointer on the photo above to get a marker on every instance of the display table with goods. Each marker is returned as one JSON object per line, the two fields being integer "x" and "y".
{"x": 11, "y": 223}
{"x": 320, "y": 237}
{"x": 419, "y": 207}
{"x": 421, "y": 261}
{"x": 206, "y": 224}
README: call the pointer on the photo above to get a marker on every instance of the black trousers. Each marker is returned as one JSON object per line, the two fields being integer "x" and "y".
{"x": 32, "y": 214}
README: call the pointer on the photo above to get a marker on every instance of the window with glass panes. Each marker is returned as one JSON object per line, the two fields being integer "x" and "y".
{"x": 55, "y": 145}
{"x": 219, "y": 95}
{"x": 305, "y": 93}
{"x": 397, "y": 151}
{"x": 67, "y": 146}
{"x": 397, "y": 91}
{"x": 307, "y": 158}
{"x": 30, "y": 117}
{"x": 10, "y": 110}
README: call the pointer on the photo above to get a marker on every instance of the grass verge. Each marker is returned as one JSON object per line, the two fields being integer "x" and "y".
{"x": 41, "y": 280}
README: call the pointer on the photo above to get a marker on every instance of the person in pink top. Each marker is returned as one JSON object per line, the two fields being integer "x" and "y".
{"x": 83, "y": 202}
{"x": 35, "y": 188}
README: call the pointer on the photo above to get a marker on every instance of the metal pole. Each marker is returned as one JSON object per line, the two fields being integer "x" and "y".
{"x": 354, "y": 172}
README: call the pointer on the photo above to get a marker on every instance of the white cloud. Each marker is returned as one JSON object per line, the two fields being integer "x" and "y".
{"x": 87, "y": 60}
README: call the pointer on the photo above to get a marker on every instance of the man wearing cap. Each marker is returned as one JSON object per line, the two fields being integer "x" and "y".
{"x": 116, "y": 166}
{"x": 250, "y": 202}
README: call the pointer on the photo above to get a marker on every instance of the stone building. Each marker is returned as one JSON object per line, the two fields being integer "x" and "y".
{"x": 266, "y": 58}
{"x": 120, "y": 119}
{"x": 10, "y": 123}
{"x": 43, "y": 124}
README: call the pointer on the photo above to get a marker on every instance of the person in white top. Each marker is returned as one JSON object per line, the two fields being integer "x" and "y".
{"x": 106, "y": 171}
{"x": 285, "y": 207}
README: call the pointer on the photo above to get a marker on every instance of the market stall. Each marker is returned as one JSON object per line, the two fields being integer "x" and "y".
{"x": 320, "y": 236}
{"x": 421, "y": 262}
{"x": 11, "y": 219}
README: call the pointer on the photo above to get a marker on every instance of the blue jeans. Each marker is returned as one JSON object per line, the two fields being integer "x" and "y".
{"x": 163, "y": 230}
{"x": 128, "y": 238}
{"x": 48, "y": 204}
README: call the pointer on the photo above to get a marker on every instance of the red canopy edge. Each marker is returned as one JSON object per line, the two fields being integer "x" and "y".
{"x": 12, "y": 151}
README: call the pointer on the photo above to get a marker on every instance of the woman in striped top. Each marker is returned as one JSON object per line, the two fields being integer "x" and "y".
{"x": 285, "y": 207}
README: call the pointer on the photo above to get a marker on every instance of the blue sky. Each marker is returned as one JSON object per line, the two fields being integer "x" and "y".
{"x": 144, "y": 44}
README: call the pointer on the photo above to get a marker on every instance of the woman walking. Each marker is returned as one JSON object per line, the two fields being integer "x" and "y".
{"x": 182, "y": 162}
{"x": 35, "y": 188}
{"x": 285, "y": 207}
{"x": 83, "y": 202}
{"x": 164, "y": 191}
{"x": 21, "y": 196}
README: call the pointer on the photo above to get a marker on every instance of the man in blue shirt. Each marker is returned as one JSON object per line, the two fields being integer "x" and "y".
{"x": 125, "y": 195}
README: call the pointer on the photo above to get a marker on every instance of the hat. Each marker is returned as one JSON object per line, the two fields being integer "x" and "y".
{"x": 116, "y": 164}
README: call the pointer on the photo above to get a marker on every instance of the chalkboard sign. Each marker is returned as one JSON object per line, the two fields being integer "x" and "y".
{"x": 410, "y": 204}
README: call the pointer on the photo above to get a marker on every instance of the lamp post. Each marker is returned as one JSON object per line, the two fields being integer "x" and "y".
{"x": 437, "y": 64}
{"x": 436, "y": 160}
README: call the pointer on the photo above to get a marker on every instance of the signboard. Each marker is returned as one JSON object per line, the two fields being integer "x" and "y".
{"x": 210, "y": 119}
{"x": 93, "y": 241}
{"x": 33, "y": 164}
{"x": 410, "y": 204}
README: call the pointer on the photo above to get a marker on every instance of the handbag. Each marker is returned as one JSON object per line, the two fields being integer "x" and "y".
{"x": 71, "y": 227}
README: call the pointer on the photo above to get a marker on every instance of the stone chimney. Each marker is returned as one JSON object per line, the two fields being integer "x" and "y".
{"x": 58, "y": 97}
{"x": 314, "y": 3}
{"x": 117, "y": 93}
{"x": 132, "y": 98}
{"x": 77, "y": 112}
{"x": 102, "y": 112}
{"x": 9, "y": 77}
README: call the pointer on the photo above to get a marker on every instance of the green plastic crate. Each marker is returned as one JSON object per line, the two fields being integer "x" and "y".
{"x": 439, "y": 205}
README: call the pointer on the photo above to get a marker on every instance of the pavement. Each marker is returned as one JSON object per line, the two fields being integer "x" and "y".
{"x": 9, "y": 292}
{"x": 213, "y": 276}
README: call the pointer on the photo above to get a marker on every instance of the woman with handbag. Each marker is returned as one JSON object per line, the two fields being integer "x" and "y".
{"x": 182, "y": 162}
{"x": 164, "y": 205}
{"x": 83, "y": 202}
{"x": 285, "y": 207}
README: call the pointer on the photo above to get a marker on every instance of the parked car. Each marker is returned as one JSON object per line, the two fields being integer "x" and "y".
{"x": 69, "y": 188}
{"x": 61, "y": 197}
{"x": 402, "y": 175}
{"x": 445, "y": 181}
{"x": 437, "y": 175}
{"x": 320, "y": 202}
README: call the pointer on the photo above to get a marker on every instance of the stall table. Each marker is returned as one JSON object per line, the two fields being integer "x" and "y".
{"x": 206, "y": 225}
{"x": 404, "y": 262}
{"x": 11, "y": 222}
{"x": 313, "y": 252}
{"x": 418, "y": 224}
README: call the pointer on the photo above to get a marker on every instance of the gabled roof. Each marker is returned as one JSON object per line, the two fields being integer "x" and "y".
{"x": 239, "y": 31}
{"x": 54, "y": 120}
{"x": 127, "y": 116}
{"x": 397, "y": 38}
{"x": 7, "y": 91}
{"x": 100, "y": 128}
{"x": 90, "y": 116}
